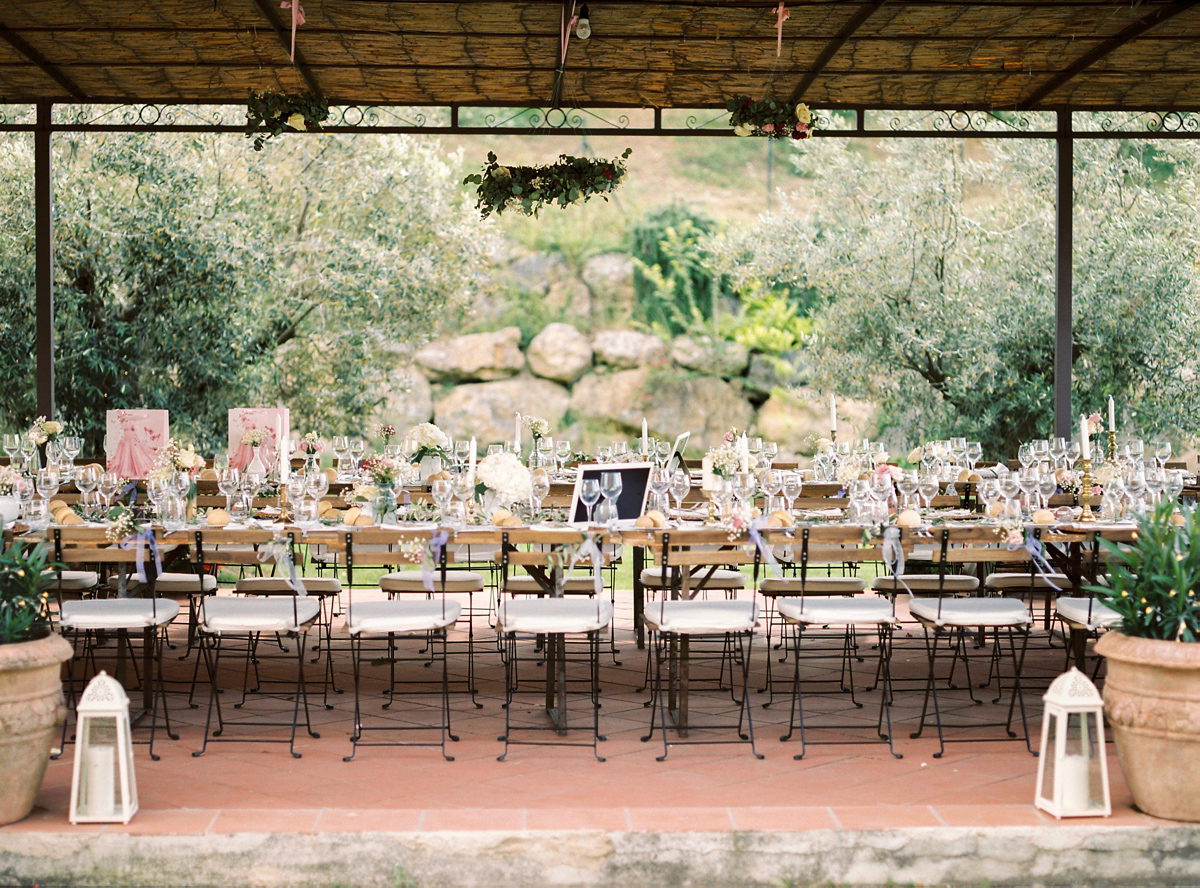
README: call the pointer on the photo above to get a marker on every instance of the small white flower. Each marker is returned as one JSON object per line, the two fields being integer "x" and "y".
{"x": 743, "y": 129}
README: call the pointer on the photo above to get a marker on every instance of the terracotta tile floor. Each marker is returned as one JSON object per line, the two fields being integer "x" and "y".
{"x": 239, "y": 787}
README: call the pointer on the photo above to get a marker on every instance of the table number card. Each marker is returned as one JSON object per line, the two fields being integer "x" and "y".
{"x": 133, "y": 440}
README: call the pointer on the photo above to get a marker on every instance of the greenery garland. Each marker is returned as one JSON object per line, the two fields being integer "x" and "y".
{"x": 528, "y": 188}
{"x": 769, "y": 118}
{"x": 271, "y": 113}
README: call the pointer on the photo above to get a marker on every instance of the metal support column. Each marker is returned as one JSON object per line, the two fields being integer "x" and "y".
{"x": 43, "y": 200}
{"x": 1063, "y": 257}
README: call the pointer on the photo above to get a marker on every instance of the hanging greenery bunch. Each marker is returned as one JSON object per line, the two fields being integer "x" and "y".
{"x": 271, "y": 113}
{"x": 769, "y": 118}
{"x": 528, "y": 188}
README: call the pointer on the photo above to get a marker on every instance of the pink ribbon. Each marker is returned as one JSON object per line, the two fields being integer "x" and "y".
{"x": 782, "y": 16}
{"x": 298, "y": 19}
{"x": 568, "y": 27}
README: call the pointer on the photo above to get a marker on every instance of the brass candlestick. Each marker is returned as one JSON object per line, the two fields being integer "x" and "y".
{"x": 833, "y": 435}
{"x": 1112, "y": 446}
{"x": 1085, "y": 493}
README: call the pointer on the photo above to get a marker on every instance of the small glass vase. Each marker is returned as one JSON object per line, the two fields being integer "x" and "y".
{"x": 256, "y": 465}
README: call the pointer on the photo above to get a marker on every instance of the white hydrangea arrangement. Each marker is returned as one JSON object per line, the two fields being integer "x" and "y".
{"x": 430, "y": 441}
{"x": 505, "y": 476}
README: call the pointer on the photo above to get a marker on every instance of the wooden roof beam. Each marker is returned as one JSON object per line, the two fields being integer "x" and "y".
{"x": 285, "y": 40}
{"x": 830, "y": 50}
{"x": 18, "y": 43}
{"x": 1157, "y": 17}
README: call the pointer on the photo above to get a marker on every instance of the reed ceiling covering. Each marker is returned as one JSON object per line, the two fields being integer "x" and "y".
{"x": 1090, "y": 54}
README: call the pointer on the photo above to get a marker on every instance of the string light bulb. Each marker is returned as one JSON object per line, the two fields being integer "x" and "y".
{"x": 583, "y": 28}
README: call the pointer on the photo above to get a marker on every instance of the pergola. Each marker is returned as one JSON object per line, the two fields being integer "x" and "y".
{"x": 998, "y": 69}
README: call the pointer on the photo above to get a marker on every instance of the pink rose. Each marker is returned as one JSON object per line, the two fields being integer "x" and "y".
{"x": 768, "y": 128}
{"x": 1094, "y": 419}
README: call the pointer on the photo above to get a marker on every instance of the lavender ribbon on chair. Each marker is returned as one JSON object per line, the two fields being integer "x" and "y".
{"x": 433, "y": 555}
{"x": 282, "y": 553}
{"x": 893, "y": 555}
{"x": 586, "y": 552}
{"x": 142, "y": 539}
{"x": 768, "y": 555}
{"x": 1037, "y": 557}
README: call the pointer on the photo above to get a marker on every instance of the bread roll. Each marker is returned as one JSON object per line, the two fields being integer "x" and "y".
{"x": 364, "y": 519}
{"x": 441, "y": 476}
{"x": 975, "y": 476}
{"x": 55, "y": 506}
{"x": 774, "y": 521}
{"x": 908, "y": 518}
{"x": 645, "y": 521}
{"x": 350, "y": 516}
{"x": 499, "y": 516}
{"x": 208, "y": 475}
{"x": 657, "y": 518}
{"x": 964, "y": 475}
{"x": 324, "y": 506}
{"x": 1043, "y": 516}
{"x": 68, "y": 517}
{"x": 331, "y": 474}
{"x": 784, "y": 517}
{"x": 217, "y": 518}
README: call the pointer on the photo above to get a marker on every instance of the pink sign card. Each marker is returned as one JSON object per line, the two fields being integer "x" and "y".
{"x": 134, "y": 440}
{"x": 273, "y": 421}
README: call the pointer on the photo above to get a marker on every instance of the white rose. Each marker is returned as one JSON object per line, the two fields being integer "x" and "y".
{"x": 297, "y": 122}
{"x": 914, "y": 455}
{"x": 188, "y": 459}
{"x": 803, "y": 114}
{"x": 744, "y": 129}
{"x": 52, "y": 427}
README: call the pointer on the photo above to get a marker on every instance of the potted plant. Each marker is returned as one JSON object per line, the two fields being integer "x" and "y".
{"x": 31, "y": 697}
{"x": 1152, "y": 688}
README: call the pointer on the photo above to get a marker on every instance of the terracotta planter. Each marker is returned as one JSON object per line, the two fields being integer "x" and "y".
{"x": 31, "y": 712}
{"x": 1152, "y": 699}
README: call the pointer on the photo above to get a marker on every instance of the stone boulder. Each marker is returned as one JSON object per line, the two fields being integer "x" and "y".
{"x": 705, "y": 405}
{"x": 570, "y": 297}
{"x": 488, "y": 409}
{"x": 796, "y": 420}
{"x": 711, "y": 357}
{"x": 628, "y": 348}
{"x": 538, "y": 272}
{"x": 559, "y": 352}
{"x": 768, "y": 373}
{"x": 610, "y": 278}
{"x": 408, "y": 400}
{"x": 484, "y": 356}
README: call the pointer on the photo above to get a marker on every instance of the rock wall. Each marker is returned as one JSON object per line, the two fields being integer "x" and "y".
{"x": 595, "y": 389}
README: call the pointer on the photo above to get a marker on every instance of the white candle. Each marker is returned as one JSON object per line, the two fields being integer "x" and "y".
{"x": 1085, "y": 440}
{"x": 471, "y": 464}
{"x": 279, "y": 449}
{"x": 743, "y": 454}
{"x": 1112, "y": 415}
{"x": 832, "y": 414}
{"x": 99, "y": 772}
{"x": 645, "y": 432}
{"x": 1076, "y": 795}
{"x": 517, "y": 433}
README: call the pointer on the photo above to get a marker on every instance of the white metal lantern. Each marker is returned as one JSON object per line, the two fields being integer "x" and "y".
{"x": 1072, "y": 779}
{"x": 103, "y": 786}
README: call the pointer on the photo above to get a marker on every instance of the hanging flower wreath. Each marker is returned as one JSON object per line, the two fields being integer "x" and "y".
{"x": 769, "y": 118}
{"x": 529, "y": 188}
{"x": 271, "y": 113}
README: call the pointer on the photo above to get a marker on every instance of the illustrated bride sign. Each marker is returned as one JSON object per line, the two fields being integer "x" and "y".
{"x": 273, "y": 421}
{"x": 134, "y": 440}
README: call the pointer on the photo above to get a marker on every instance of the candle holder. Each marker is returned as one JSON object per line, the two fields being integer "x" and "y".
{"x": 1112, "y": 446}
{"x": 1085, "y": 492}
{"x": 833, "y": 435}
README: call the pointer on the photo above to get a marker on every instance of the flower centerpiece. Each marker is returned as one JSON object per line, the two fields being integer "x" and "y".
{"x": 272, "y": 113}
{"x": 1152, "y": 687}
{"x": 176, "y": 457}
{"x": 529, "y": 188}
{"x": 10, "y": 502}
{"x": 122, "y": 523}
{"x": 385, "y": 431}
{"x": 252, "y": 438}
{"x": 44, "y": 431}
{"x": 385, "y": 473}
{"x": 431, "y": 447}
{"x": 538, "y": 427}
{"x": 769, "y": 118}
{"x": 501, "y": 479}
{"x": 312, "y": 446}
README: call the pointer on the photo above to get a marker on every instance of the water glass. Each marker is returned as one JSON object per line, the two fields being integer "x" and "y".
{"x": 793, "y": 486}
{"x": 589, "y": 495}
{"x": 562, "y": 454}
{"x": 541, "y": 489}
{"x": 681, "y": 486}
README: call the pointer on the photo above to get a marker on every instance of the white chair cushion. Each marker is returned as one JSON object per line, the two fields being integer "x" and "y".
{"x": 905, "y": 583}
{"x": 701, "y": 617}
{"x": 812, "y": 585}
{"x": 117, "y": 613}
{"x": 971, "y": 611}
{"x": 523, "y": 584}
{"x": 551, "y": 616}
{"x": 70, "y": 580}
{"x": 1086, "y": 612}
{"x": 839, "y": 611}
{"x": 282, "y": 586}
{"x": 722, "y": 578}
{"x": 171, "y": 583}
{"x": 421, "y": 615}
{"x": 410, "y": 581}
{"x": 1015, "y": 582}
{"x": 221, "y": 614}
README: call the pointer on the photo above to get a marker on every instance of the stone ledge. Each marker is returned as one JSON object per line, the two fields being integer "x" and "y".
{"x": 1094, "y": 855}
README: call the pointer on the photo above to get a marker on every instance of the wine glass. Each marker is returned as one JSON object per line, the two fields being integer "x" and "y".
{"x": 295, "y": 491}
{"x": 771, "y": 483}
{"x": 541, "y": 489}
{"x": 110, "y": 483}
{"x": 770, "y": 450}
{"x": 228, "y": 480}
{"x": 860, "y": 493}
{"x": 681, "y": 485}
{"x": 1174, "y": 484}
{"x": 442, "y": 491}
{"x": 71, "y": 445}
{"x": 12, "y": 446}
{"x": 462, "y": 453}
{"x": 754, "y": 447}
{"x": 341, "y": 449}
{"x": 545, "y": 450}
{"x": 610, "y": 486}
{"x": 589, "y": 495}
{"x": 1162, "y": 453}
{"x": 793, "y": 486}
{"x": 908, "y": 485}
{"x": 1073, "y": 454}
{"x": 317, "y": 484}
{"x": 959, "y": 448}
{"x": 662, "y": 452}
{"x": 562, "y": 454}
{"x": 1009, "y": 485}
{"x": 1156, "y": 481}
{"x": 28, "y": 448}
{"x": 1040, "y": 448}
{"x": 620, "y": 451}
{"x": 927, "y": 487}
{"x": 88, "y": 478}
{"x": 1047, "y": 487}
{"x": 156, "y": 492}
{"x": 1025, "y": 455}
{"x": 743, "y": 486}
{"x": 989, "y": 493}
{"x": 358, "y": 447}
{"x": 1058, "y": 452}
{"x": 660, "y": 483}
{"x": 1137, "y": 449}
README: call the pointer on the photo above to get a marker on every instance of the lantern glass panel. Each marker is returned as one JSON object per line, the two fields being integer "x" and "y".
{"x": 99, "y": 785}
{"x": 1048, "y": 757}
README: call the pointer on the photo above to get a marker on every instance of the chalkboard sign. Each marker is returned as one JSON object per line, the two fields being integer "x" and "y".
{"x": 635, "y": 484}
